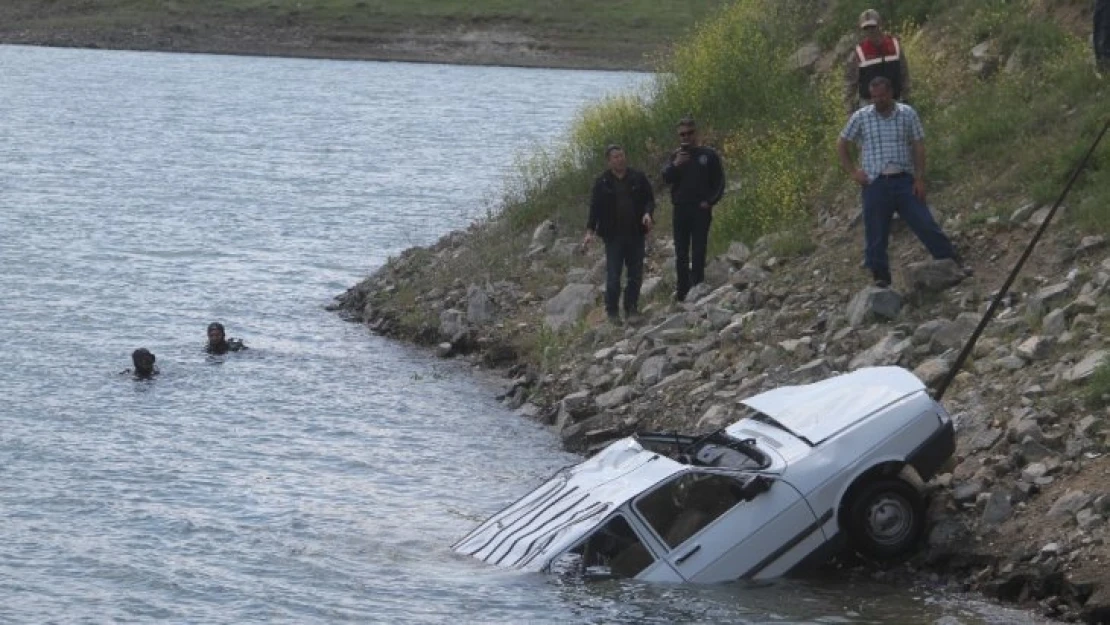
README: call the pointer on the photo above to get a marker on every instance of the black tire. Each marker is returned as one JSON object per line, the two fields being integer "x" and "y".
{"x": 885, "y": 519}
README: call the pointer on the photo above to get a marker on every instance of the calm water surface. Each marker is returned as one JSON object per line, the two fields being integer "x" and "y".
{"x": 321, "y": 476}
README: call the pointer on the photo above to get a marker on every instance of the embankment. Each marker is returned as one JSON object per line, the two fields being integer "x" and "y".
{"x": 575, "y": 34}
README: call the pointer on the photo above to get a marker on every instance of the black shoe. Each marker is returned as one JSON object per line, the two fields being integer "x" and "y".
{"x": 882, "y": 279}
{"x": 679, "y": 296}
{"x": 615, "y": 320}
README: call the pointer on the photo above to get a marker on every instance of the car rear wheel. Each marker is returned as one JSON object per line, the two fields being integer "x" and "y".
{"x": 886, "y": 519}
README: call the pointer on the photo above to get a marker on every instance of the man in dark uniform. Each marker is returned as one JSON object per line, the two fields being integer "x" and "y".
{"x": 621, "y": 207}
{"x": 697, "y": 181}
{"x": 878, "y": 54}
{"x": 218, "y": 344}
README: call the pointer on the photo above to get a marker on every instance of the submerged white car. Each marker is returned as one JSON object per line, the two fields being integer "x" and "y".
{"x": 807, "y": 466}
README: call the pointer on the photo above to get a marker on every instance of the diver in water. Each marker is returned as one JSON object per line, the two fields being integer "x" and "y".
{"x": 143, "y": 361}
{"x": 218, "y": 343}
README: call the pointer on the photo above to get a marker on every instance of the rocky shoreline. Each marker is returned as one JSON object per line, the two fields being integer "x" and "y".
{"x": 1021, "y": 515}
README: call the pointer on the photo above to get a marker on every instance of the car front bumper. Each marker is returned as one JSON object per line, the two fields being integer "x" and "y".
{"x": 931, "y": 455}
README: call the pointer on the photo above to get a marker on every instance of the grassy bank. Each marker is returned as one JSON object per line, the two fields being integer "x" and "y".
{"x": 628, "y": 34}
{"x": 1009, "y": 129}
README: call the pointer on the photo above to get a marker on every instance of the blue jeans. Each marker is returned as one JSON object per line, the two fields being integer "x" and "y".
{"x": 623, "y": 250}
{"x": 691, "y": 229}
{"x": 881, "y": 199}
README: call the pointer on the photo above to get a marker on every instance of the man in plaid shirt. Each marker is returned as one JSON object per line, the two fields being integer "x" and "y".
{"x": 892, "y": 176}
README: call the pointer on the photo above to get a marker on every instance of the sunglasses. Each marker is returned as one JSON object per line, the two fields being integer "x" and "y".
{"x": 686, "y": 133}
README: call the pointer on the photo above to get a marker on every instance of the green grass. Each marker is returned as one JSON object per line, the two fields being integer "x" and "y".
{"x": 1098, "y": 387}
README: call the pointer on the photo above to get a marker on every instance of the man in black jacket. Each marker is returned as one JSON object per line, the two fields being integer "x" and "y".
{"x": 621, "y": 207}
{"x": 697, "y": 181}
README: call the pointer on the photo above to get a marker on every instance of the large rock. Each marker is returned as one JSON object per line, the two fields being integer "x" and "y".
{"x": 1035, "y": 348}
{"x": 748, "y": 275}
{"x": 1086, "y": 367}
{"x": 698, "y": 291}
{"x": 737, "y": 253}
{"x": 924, "y": 333}
{"x": 674, "y": 322}
{"x": 997, "y": 510}
{"x": 653, "y": 370}
{"x": 806, "y": 57}
{"x": 1023, "y": 212}
{"x": 888, "y": 351}
{"x": 1069, "y": 504}
{"x": 949, "y": 537}
{"x": 1048, "y": 297}
{"x": 544, "y": 234}
{"x": 452, "y": 323}
{"x": 716, "y": 417}
{"x": 616, "y": 397}
{"x": 573, "y": 408}
{"x": 933, "y": 370}
{"x": 479, "y": 306}
{"x": 812, "y": 371}
{"x": 873, "y": 303}
{"x": 568, "y": 306}
{"x": 1054, "y": 323}
{"x": 954, "y": 335}
{"x": 933, "y": 275}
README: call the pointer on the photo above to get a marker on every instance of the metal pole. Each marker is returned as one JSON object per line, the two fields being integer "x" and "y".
{"x": 966, "y": 351}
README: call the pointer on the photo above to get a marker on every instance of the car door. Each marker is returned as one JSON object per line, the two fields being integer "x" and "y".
{"x": 616, "y": 549}
{"x": 724, "y": 526}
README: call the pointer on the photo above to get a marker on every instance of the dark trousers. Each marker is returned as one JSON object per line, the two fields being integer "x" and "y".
{"x": 881, "y": 199}
{"x": 1102, "y": 32}
{"x": 691, "y": 229}
{"x": 623, "y": 251}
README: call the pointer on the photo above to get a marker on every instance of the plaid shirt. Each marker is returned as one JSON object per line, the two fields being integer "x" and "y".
{"x": 885, "y": 141}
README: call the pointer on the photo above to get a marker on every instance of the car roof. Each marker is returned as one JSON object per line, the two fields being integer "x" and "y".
{"x": 553, "y": 517}
{"x": 814, "y": 412}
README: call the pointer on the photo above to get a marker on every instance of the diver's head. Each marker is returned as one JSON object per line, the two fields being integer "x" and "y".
{"x": 143, "y": 361}
{"x": 215, "y": 333}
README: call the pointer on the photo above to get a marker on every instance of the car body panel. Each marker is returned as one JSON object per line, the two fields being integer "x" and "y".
{"x": 814, "y": 412}
{"x": 527, "y": 534}
{"x": 745, "y": 541}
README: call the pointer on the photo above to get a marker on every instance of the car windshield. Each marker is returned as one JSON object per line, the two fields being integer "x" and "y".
{"x": 716, "y": 449}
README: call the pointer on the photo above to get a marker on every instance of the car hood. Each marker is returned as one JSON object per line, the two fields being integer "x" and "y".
{"x": 555, "y": 516}
{"x": 814, "y": 412}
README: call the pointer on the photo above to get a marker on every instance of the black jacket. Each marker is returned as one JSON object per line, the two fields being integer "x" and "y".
{"x": 603, "y": 201}
{"x": 700, "y": 179}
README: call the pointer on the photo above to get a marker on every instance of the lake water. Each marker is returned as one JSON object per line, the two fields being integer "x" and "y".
{"x": 321, "y": 476}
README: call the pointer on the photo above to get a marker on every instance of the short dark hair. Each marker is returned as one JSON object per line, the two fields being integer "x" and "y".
{"x": 612, "y": 147}
{"x": 881, "y": 80}
{"x": 141, "y": 356}
{"x": 687, "y": 121}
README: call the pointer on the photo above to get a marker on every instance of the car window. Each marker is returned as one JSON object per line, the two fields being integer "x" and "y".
{"x": 683, "y": 506}
{"x": 613, "y": 550}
